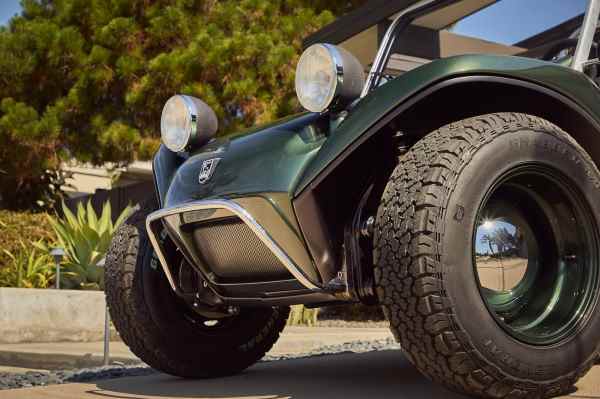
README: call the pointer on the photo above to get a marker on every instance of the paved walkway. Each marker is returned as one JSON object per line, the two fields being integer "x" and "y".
{"x": 73, "y": 355}
{"x": 378, "y": 375}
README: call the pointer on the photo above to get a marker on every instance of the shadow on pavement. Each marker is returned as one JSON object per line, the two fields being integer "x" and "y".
{"x": 373, "y": 375}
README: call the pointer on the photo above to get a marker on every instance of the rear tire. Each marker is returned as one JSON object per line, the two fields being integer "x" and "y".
{"x": 161, "y": 330}
{"x": 427, "y": 277}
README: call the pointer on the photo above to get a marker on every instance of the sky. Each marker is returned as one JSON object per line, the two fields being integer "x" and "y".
{"x": 510, "y": 21}
{"x": 8, "y": 8}
{"x": 488, "y": 227}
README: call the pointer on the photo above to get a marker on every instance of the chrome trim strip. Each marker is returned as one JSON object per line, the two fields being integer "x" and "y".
{"x": 238, "y": 211}
{"x": 383, "y": 54}
{"x": 586, "y": 37}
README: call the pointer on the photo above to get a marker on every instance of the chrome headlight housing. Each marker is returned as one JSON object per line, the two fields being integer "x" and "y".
{"x": 328, "y": 76}
{"x": 187, "y": 122}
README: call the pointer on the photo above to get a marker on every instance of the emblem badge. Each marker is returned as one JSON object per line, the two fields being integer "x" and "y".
{"x": 207, "y": 169}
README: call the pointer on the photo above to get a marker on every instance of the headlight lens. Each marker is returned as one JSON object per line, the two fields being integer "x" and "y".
{"x": 185, "y": 122}
{"x": 175, "y": 124}
{"x": 327, "y": 76}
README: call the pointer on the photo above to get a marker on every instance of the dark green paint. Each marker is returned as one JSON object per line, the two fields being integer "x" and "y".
{"x": 164, "y": 166}
{"x": 265, "y": 160}
{"x": 386, "y": 98}
{"x": 553, "y": 236}
{"x": 286, "y": 156}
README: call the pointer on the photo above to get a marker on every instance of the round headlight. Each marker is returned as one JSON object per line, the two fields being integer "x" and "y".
{"x": 328, "y": 76}
{"x": 186, "y": 122}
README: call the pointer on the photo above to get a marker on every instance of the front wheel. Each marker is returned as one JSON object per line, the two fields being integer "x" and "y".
{"x": 486, "y": 253}
{"x": 162, "y": 330}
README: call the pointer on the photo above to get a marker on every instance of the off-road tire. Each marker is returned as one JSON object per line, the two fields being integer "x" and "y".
{"x": 416, "y": 281}
{"x": 151, "y": 319}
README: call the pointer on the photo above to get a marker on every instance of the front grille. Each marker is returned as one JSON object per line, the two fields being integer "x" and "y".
{"x": 234, "y": 253}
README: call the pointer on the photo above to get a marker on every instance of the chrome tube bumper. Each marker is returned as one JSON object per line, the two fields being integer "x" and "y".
{"x": 210, "y": 210}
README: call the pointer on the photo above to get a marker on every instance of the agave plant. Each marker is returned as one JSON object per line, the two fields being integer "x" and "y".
{"x": 85, "y": 237}
{"x": 28, "y": 268}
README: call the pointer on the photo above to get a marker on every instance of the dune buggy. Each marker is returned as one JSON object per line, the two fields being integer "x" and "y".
{"x": 462, "y": 196}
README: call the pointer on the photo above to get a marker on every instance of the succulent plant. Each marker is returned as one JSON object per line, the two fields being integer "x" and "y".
{"x": 85, "y": 237}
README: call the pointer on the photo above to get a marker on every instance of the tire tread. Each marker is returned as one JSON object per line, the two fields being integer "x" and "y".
{"x": 139, "y": 331}
{"x": 406, "y": 243}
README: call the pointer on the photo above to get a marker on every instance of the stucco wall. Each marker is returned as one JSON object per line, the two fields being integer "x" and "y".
{"x": 30, "y": 315}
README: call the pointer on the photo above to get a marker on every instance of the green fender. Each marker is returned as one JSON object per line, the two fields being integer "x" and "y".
{"x": 267, "y": 159}
{"x": 364, "y": 119}
{"x": 279, "y": 161}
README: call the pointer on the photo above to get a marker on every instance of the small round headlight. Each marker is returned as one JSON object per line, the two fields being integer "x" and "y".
{"x": 328, "y": 76}
{"x": 186, "y": 122}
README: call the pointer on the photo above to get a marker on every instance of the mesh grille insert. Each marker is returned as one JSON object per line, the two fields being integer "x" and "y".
{"x": 235, "y": 254}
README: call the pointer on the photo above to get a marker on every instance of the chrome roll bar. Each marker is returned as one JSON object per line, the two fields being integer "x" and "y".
{"x": 582, "y": 51}
{"x": 383, "y": 54}
{"x": 586, "y": 37}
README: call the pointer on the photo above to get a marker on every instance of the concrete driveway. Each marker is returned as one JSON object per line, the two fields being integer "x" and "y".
{"x": 69, "y": 355}
{"x": 371, "y": 375}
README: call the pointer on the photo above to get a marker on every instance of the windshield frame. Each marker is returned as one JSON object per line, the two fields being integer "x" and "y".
{"x": 422, "y": 7}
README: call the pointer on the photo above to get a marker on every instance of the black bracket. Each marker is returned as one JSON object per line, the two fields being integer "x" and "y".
{"x": 358, "y": 250}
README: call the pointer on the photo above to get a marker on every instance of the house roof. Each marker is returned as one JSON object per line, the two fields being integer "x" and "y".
{"x": 555, "y": 33}
{"x": 377, "y": 11}
{"x": 356, "y": 21}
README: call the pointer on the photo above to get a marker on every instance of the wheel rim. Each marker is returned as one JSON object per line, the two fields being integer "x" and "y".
{"x": 534, "y": 255}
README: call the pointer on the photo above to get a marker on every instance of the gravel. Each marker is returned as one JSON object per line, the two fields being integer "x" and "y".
{"x": 36, "y": 378}
{"x": 353, "y": 324}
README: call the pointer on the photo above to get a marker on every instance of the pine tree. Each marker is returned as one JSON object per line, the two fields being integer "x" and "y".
{"x": 86, "y": 79}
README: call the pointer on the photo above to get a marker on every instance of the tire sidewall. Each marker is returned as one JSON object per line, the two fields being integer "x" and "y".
{"x": 491, "y": 161}
{"x": 150, "y": 319}
{"x": 175, "y": 322}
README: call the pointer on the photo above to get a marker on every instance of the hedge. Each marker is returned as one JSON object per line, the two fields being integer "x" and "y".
{"x": 22, "y": 226}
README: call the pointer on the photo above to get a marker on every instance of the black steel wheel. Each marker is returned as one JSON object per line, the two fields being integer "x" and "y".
{"x": 486, "y": 257}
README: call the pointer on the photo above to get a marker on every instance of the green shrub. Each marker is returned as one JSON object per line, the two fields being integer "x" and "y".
{"x": 85, "y": 237}
{"x": 87, "y": 79}
{"x": 28, "y": 268}
{"x": 17, "y": 227}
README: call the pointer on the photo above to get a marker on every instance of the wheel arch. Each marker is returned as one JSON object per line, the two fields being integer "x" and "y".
{"x": 369, "y": 161}
{"x": 502, "y": 94}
